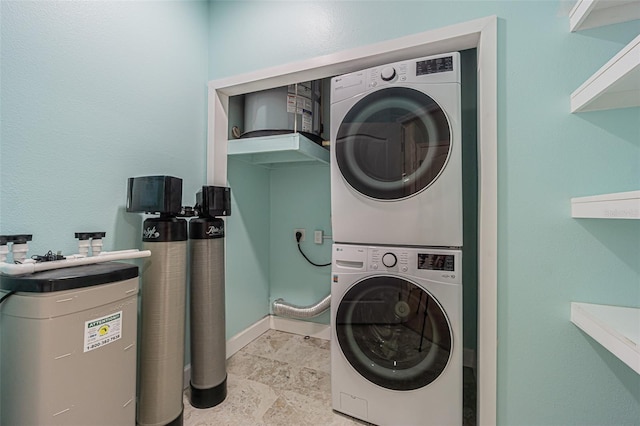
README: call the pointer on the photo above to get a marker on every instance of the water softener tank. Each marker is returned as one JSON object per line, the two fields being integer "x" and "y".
{"x": 163, "y": 300}
{"x": 288, "y": 109}
{"x": 207, "y": 298}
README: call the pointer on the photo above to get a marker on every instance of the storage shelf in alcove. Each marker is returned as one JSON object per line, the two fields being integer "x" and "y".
{"x": 278, "y": 151}
{"x": 620, "y": 205}
{"x": 614, "y": 327}
{"x": 595, "y": 13}
{"x": 615, "y": 85}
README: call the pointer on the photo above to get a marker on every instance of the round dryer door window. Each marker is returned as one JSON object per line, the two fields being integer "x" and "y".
{"x": 394, "y": 333}
{"x": 393, "y": 143}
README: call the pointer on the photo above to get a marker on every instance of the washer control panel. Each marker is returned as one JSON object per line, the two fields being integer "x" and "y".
{"x": 389, "y": 259}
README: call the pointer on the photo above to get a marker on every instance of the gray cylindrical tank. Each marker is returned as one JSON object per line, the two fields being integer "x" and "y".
{"x": 293, "y": 108}
{"x": 69, "y": 346}
{"x": 164, "y": 284}
{"x": 208, "y": 343}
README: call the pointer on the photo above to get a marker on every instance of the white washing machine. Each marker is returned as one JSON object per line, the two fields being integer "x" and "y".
{"x": 396, "y": 335}
{"x": 396, "y": 163}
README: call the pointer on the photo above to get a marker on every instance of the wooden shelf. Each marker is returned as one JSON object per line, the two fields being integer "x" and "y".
{"x": 596, "y": 13}
{"x": 621, "y": 205}
{"x": 278, "y": 151}
{"x": 615, "y": 85}
{"x": 614, "y": 327}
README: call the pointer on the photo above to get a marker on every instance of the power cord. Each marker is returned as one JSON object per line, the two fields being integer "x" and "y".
{"x": 298, "y": 238}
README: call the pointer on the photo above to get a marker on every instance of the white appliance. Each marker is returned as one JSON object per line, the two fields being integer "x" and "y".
{"x": 396, "y": 163}
{"x": 396, "y": 337}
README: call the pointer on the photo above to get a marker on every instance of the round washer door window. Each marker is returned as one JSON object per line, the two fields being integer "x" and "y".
{"x": 394, "y": 333}
{"x": 393, "y": 143}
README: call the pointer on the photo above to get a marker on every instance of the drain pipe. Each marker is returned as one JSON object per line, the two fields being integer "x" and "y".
{"x": 284, "y": 309}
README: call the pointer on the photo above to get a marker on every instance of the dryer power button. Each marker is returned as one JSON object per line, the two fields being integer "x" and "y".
{"x": 389, "y": 260}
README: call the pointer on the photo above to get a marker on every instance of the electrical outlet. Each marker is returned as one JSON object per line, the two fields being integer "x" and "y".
{"x": 300, "y": 230}
{"x": 317, "y": 237}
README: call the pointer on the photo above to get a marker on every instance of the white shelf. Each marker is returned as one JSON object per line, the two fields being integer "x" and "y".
{"x": 596, "y": 13}
{"x": 621, "y": 205}
{"x": 614, "y": 327}
{"x": 615, "y": 85}
{"x": 278, "y": 151}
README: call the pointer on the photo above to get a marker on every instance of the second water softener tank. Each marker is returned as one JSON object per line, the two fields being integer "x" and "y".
{"x": 207, "y": 301}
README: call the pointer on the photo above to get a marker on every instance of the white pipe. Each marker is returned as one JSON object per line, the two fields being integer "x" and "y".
{"x": 282, "y": 308}
{"x": 96, "y": 246}
{"x": 102, "y": 253}
{"x": 83, "y": 247}
{"x": 19, "y": 251}
{"x": 29, "y": 268}
{"x": 4, "y": 251}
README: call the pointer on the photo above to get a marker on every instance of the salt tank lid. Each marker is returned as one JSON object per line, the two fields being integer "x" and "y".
{"x": 69, "y": 278}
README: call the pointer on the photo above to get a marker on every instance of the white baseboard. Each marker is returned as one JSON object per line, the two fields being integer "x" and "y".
{"x": 248, "y": 335}
{"x": 303, "y": 328}
{"x": 237, "y": 342}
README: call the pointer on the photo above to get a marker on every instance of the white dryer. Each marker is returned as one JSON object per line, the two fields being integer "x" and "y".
{"x": 396, "y": 335}
{"x": 396, "y": 154}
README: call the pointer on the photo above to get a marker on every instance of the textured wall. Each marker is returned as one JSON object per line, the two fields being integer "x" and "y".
{"x": 549, "y": 372}
{"x": 93, "y": 93}
{"x": 248, "y": 246}
{"x": 300, "y": 198}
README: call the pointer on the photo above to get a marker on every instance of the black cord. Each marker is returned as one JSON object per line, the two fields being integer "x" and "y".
{"x": 298, "y": 237}
{"x": 309, "y": 260}
{"x": 6, "y": 295}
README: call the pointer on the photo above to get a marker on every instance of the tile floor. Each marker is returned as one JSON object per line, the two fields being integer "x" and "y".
{"x": 284, "y": 379}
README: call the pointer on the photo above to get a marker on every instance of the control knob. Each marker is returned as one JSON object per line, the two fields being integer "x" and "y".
{"x": 389, "y": 260}
{"x": 388, "y": 73}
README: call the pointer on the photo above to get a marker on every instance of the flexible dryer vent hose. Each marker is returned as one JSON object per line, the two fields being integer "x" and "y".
{"x": 284, "y": 309}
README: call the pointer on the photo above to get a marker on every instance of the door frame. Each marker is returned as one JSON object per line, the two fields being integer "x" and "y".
{"x": 480, "y": 34}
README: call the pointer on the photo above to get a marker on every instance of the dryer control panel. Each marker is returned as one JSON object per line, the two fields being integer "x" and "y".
{"x": 443, "y": 68}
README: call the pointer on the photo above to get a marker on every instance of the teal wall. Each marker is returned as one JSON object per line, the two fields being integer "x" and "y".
{"x": 548, "y": 371}
{"x": 93, "y": 93}
{"x": 300, "y": 198}
{"x": 248, "y": 246}
{"x": 263, "y": 262}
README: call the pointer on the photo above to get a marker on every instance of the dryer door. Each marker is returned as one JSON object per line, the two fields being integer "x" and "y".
{"x": 393, "y": 143}
{"x": 393, "y": 332}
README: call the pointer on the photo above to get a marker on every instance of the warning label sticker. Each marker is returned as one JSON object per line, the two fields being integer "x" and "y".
{"x": 102, "y": 331}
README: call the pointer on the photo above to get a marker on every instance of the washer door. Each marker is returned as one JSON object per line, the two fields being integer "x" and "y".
{"x": 393, "y": 143}
{"x": 394, "y": 333}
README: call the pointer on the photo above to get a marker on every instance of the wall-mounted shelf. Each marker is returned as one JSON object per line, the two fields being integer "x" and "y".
{"x": 620, "y": 205}
{"x": 614, "y": 327}
{"x": 596, "y": 13}
{"x": 615, "y": 85}
{"x": 278, "y": 151}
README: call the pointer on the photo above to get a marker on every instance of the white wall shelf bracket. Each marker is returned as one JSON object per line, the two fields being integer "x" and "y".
{"x": 614, "y": 327}
{"x": 615, "y": 85}
{"x": 278, "y": 151}
{"x": 596, "y": 13}
{"x": 620, "y": 205}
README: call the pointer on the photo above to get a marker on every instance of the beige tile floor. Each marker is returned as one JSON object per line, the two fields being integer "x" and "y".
{"x": 281, "y": 379}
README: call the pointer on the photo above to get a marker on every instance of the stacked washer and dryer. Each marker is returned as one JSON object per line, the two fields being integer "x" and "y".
{"x": 396, "y": 204}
